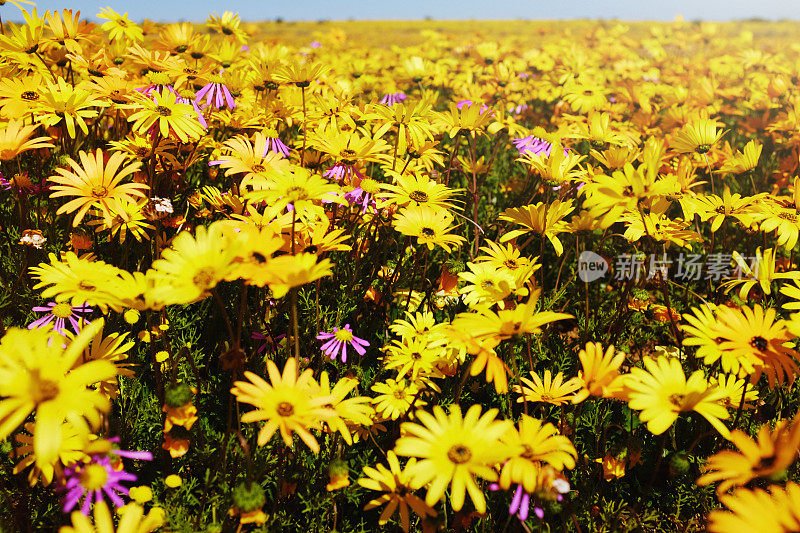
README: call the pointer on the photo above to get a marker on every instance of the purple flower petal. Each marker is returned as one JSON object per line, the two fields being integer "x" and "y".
{"x": 134, "y": 454}
{"x": 39, "y": 322}
{"x": 516, "y": 501}
{"x": 72, "y": 499}
{"x": 525, "y": 507}
{"x": 115, "y": 499}
{"x": 87, "y": 503}
{"x": 357, "y": 347}
{"x": 76, "y": 326}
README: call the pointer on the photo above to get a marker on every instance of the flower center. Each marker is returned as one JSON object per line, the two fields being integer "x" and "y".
{"x": 459, "y": 454}
{"x": 285, "y": 409}
{"x": 29, "y": 95}
{"x": 349, "y": 156}
{"x": 369, "y": 186}
{"x": 487, "y": 284}
{"x": 163, "y": 111}
{"x": 767, "y": 462}
{"x": 258, "y": 168}
{"x": 94, "y": 477}
{"x": 703, "y": 148}
{"x": 296, "y": 193}
{"x": 86, "y": 286}
{"x": 759, "y": 343}
{"x": 428, "y": 232}
{"x": 62, "y": 310}
{"x": 677, "y": 399}
{"x": 22, "y": 181}
{"x": 343, "y": 335}
{"x": 117, "y": 97}
{"x": 400, "y": 394}
{"x": 42, "y": 390}
{"x": 204, "y": 279}
{"x": 99, "y": 192}
{"x": 419, "y": 196}
{"x": 527, "y": 452}
{"x": 510, "y": 264}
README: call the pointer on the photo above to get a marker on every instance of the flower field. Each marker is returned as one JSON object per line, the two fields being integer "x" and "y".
{"x": 420, "y": 276}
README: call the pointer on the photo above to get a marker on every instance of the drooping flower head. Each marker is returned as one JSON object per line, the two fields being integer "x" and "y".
{"x": 520, "y": 503}
{"x": 361, "y": 196}
{"x": 275, "y": 145}
{"x": 216, "y": 93}
{"x": 393, "y": 98}
{"x": 532, "y": 145}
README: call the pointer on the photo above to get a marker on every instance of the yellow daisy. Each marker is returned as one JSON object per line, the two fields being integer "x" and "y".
{"x": 453, "y": 450}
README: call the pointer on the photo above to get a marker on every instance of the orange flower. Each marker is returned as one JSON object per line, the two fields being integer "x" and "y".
{"x": 256, "y": 516}
{"x": 448, "y": 282}
{"x": 177, "y": 447}
{"x": 373, "y": 295}
{"x": 184, "y": 416}
{"x": 662, "y": 313}
{"x": 80, "y": 241}
{"x": 253, "y": 517}
{"x": 338, "y": 482}
{"x": 612, "y": 467}
{"x": 638, "y": 305}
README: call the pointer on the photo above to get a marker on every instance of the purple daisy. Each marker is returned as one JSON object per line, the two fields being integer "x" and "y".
{"x": 218, "y": 92}
{"x": 339, "y": 171}
{"x": 59, "y": 313}
{"x": 89, "y": 480}
{"x": 22, "y": 184}
{"x": 519, "y": 109}
{"x": 393, "y": 98}
{"x": 156, "y": 88}
{"x": 468, "y": 103}
{"x": 338, "y": 341}
{"x": 276, "y": 145}
{"x": 532, "y": 145}
{"x": 520, "y": 503}
{"x": 359, "y": 196}
{"x": 267, "y": 344}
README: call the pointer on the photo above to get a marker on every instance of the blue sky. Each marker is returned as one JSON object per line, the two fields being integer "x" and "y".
{"x": 255, "y": 10}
